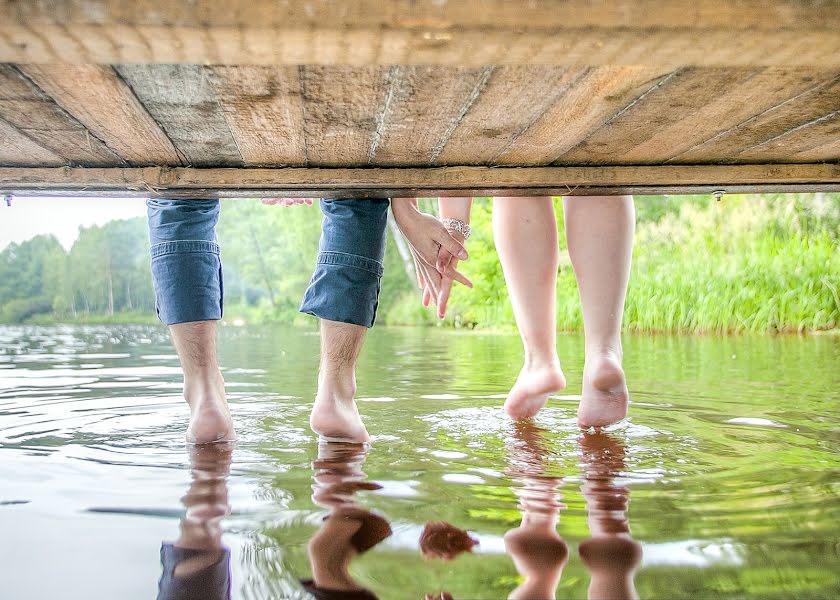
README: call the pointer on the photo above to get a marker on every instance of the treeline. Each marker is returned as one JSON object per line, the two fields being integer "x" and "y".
{"x": 748, "y": 263}
{"x": 105, "y": 273}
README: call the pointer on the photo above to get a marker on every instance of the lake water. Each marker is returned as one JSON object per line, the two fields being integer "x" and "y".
{"x": 723, "y": 483}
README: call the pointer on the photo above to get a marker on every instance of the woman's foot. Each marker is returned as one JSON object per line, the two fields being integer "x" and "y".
{"x": 532, "y": 388}
{"x": 605, "y": 397}
{"x": 210, "y": 420}
{"x": 335, "y": 417}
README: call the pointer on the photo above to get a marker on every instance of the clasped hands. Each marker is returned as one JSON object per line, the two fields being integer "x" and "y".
{"x": 435, "y": 250}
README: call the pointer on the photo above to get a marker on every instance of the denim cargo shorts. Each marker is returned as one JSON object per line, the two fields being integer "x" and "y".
{"x": 187, "y": 268}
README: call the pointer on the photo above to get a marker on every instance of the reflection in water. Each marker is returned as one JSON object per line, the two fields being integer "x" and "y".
{"x": 197, "y": 565}
{"x": 443, "y": 540}
{"x": 89, "y": 449}
{"x": 538, "y": 552}
{"x": 610, "y": 553}
{"x": 348, "y": 530}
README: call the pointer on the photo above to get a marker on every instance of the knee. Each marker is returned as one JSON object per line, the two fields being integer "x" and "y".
{"x": 176, "y": 220}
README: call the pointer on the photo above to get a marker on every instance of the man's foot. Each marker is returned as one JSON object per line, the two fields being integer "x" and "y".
{"x": 530, "y": 392}
{"x": 605, "y": 397}
{"x": 539, "y": 555}
{"x": 335, "y": 417}
{"x": 210, "y": 420}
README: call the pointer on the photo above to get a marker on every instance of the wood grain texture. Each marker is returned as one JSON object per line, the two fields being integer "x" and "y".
{"x": 342, "y": 106}
{"x": 203, "y": 183}
{"x": 817, "y": 102}
{"x": 422, "y": 109}
{"x": 807, "y": 143}
{"x": 19, "y": 149}
{"x": 681, "y": 96}
{"x": 597, "y": 95}
{"x": 183, "y": 103}
{"x": 729, "y": 106}
{"x": 465, "y": 32}
{"x": 264, "y": 109}
{"x": 106, "y": 106}
{"x": 37, "y": 116}
{"x": 513, "y": 99}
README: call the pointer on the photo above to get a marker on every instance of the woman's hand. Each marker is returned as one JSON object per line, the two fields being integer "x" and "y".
{"x": 427, "y": 237}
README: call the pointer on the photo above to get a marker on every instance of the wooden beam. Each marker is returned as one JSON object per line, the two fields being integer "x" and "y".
{"x": 395, "y": 182}
{"x": 463, "y": 32}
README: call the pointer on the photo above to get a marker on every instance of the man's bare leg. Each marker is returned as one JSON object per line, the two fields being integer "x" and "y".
{"x": 335, "y": 416}
{"x": 599, "y": 232}
{"x": 526, "y": 240}
{"x": 204, "y": 387}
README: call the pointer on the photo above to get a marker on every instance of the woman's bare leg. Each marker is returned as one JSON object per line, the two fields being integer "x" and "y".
{"x": 599, "y": 232}
{"x": 525, "y": 231}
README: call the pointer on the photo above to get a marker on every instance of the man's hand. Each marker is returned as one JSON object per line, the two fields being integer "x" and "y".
{"x": 286, "y": 201}
{"x": 428, "y": 238}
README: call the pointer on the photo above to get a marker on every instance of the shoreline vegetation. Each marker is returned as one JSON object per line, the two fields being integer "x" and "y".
{"x": 748, "y": 264}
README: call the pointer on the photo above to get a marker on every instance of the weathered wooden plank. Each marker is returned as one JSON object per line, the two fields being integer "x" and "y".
{"x": 106, "y": 106}
{"x": 807, "y": 142}
{"x": 264, "y": 110}
{"x": 826, "y": 152}
{"x": 513, "y": 99}
{"x": 423, "y": 107}
{"x": 730, "y": 106}
{"x": 202, "y": 183}
{"x": 467, "y": 32}
{"x": 598, "y": 94}
{"x": 34, "y": 114}
{"x": 815, "y": 103}
{"x": 183, "y": 103}
{"x": 682, "y": 95}
{"x": 341, "y": 106}
{"x": 19, "y": 149}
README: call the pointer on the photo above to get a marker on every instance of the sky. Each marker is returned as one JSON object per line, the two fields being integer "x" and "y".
{"x": 62, "y": 217}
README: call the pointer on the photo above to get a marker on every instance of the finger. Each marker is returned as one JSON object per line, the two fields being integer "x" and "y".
{"x": 432, "y": 281}
{"x": 444, "y": 257}
{"x": 421, "y": 281}
{"x": 445, "y": 239}
{"x": 443, "y": 298}
{"x": 270, "y": 201}
{"x": 458, "y": 276}
{"x": 427, "y": 297}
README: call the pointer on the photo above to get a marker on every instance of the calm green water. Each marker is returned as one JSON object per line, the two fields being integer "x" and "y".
{"x": 725, "y": 478}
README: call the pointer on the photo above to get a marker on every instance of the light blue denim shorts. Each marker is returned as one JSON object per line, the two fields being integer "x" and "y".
{"x": 187, "y": 267}
{"x": 346, "y": 282}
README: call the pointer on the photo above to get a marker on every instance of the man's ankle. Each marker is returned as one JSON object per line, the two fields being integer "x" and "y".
{"x": 341, "y": 382}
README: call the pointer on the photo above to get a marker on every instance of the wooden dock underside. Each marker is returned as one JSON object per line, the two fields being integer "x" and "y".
{"x": 84, "y": 110}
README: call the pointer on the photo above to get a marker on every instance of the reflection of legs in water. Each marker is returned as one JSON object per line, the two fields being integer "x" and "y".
{"x": 349, "y": 530}
{"x": 599, "y": 233}
{"x": 204, "y": 388}
{"x": 335, "y": 416}
{"x": 526, "y": 239}
{"x": 611, "y": 555}
{"x": 538, "y": 552}
{"x": 197, "y": 565}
